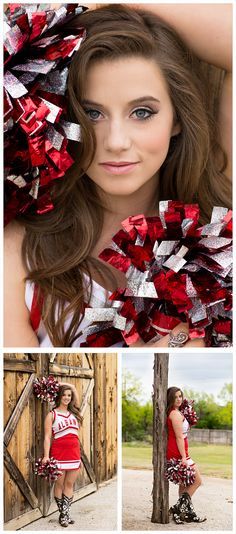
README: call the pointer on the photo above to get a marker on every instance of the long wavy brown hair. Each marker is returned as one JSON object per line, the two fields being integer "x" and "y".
{"x": 171, "y": 392}
{"x": 72, "y": 407}
{"x": 57, "y": 246}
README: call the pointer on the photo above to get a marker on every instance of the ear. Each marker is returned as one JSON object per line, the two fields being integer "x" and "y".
{"x": 176, "y": 129}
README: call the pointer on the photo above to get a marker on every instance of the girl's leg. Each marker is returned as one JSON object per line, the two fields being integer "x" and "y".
{"x": 186, "y": 508}
{"x": 182, "y": 489}
{"x": 70, "y": 479}
{"x": 59, "y": 485}
{"x": 198, "y": 481}
{"x": 67, "y": 498}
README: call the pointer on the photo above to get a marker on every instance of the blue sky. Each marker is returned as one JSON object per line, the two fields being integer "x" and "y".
{"x": 203, "y": 372}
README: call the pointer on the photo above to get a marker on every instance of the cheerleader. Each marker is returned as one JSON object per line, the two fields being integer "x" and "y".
{"x": 177, "y": 448}
{"x": 147, "y": 133}
{"x": 61, "y": 442}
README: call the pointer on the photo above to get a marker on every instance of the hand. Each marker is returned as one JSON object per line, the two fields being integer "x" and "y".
{"x": 184, "y": 461}
{"x": 45, "y": 459}
{"x": 164, "y": 341}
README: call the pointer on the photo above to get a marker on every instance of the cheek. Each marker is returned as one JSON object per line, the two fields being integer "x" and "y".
{"x": 156, "y": 140}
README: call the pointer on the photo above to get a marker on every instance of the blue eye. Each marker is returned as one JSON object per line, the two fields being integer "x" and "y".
{"x": 143, "y": 113}
{"x": 93, "y": 114}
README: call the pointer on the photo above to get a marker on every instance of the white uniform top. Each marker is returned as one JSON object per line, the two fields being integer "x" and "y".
{"x": 64, "y": 424}
{"x": 99, "y": 297}
{"x": 185, "y": 427}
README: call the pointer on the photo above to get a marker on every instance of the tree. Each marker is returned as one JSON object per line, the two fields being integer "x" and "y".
{"x": 226, "y": 393}
{"x": 160, "y": 511}
{"x": 212, "y": 414}
{"x": 132, "y": 424}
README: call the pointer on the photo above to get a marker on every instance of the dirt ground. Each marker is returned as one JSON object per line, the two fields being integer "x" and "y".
{"x": 213, "y": 500}
{"x": 97, "y": 511}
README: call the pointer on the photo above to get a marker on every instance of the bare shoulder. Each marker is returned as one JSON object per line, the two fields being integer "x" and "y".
{"x": 49, "y": 417}
{"x": 48, "y": 423}
{"x": 15, "y": 310}
{"x": 175, "y": 415}
{"x": 13, "y": 237}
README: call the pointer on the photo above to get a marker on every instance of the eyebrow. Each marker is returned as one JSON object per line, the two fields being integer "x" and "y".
{"x": 132, "y": 102}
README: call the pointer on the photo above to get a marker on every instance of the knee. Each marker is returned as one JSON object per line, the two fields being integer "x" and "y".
{"x": 59, "y": 483}
{"x": 69, "y": 485}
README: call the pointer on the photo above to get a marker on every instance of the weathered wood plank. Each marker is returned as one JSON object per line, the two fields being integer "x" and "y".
{"x": 24, "y": 441}
{"x": 22, "y": 520}
{"x": 55, "y": 369}
{"x": 23, "y": 400}
{"x": 160, "y": 511}
{"x": 52, "y": 357}
{"x": 86, "y": 398}
{"x": 10, "y": 401}
{"x": 43, "y": 490}
{"x": 90, "y": 360}
{"x": 25, "y": 366}
{"x": 99, "y": 417}
{"x": 19, "y": 479}
{"x": 87, "y": 465}
{"x": 33, "y": 356}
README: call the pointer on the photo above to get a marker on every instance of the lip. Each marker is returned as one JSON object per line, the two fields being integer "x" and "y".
{"x": 118, "y": 167}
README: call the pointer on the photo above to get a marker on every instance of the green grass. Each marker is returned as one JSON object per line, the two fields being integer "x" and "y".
{"x": 212, "y": 460}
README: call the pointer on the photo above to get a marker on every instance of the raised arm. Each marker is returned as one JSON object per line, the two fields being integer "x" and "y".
{"x": 205, "y": 28}
{"x": 207, "y": 31}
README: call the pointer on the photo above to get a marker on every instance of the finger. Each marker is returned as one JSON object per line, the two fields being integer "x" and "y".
{"x": 164, "y": 341}
{"x": 181, "y": 327}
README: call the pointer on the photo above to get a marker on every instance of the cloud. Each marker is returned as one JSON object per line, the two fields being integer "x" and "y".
{"x": 202, "y": 372}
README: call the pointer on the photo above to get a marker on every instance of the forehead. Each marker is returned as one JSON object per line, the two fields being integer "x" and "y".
{"x": 129, "y": 78}
{"x": 66, "y": 391}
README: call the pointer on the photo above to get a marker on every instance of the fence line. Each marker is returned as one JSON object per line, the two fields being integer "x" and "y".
{"x": 209, "y": 435}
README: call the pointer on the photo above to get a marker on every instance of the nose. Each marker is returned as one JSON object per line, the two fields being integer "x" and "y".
{"x": 117, "y": 136}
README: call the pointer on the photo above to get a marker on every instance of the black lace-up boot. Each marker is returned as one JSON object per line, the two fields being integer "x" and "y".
{"x": 191, "y": 514}
{"x": 64, "y": 515}
{"x": 59, "y": 506}
{"x": 177, "y": 511}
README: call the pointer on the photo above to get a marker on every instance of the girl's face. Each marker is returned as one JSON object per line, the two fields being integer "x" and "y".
{"x": 66, "y": 397}
{"x": 130, "y": 109}
{"x": 178, "y": 399}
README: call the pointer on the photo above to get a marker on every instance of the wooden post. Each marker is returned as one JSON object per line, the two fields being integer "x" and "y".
{"x": 160, "y": 512}
{"x": 41, "y": 410}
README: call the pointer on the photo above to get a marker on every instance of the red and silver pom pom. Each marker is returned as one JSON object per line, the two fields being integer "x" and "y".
{"x": 178, "y": 473}
{"x": 38, "y": 49}
{"x": 49, "y": 470}
{"x": 46, "y": 388}
{"x": 188, "y": 412}
{"x": 175, "y": 271}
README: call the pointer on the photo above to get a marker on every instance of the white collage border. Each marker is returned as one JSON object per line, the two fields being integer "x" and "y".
{"x": 119, "y": 351}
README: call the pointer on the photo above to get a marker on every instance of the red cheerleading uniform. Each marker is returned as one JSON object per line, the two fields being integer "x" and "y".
{"x": 65, "y": 446}
{"x": 172, "y": 447}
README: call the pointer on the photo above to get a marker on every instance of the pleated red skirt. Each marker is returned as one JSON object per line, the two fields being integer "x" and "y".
{"x": 66, "y": 450}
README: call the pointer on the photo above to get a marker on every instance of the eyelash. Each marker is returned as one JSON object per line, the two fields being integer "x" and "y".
{"x": 150, "y": 112}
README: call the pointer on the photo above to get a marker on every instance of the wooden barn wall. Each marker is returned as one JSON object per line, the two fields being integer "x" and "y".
{"x": 95, "y": 377}
{"x": 105, "y": 412}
